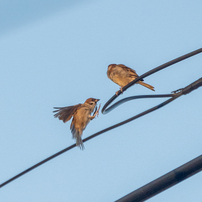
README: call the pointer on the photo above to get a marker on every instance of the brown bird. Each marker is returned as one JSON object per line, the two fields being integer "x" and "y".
{"x": 122, "y": 75}
{"x": 81, "y": 114}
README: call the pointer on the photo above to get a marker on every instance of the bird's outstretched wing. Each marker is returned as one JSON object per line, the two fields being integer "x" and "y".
{"x": 65, "y": 113}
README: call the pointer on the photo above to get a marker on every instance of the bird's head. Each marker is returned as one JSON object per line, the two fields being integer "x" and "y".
{"x": 111, "y": 66}
{"x": 92, "y": 101}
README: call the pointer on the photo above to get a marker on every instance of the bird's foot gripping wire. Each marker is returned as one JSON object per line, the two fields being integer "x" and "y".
{"x": 121, "y": 89}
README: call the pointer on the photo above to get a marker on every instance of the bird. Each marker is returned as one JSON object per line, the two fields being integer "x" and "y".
{"x": 81, "y": 114}
{"x": 122, "y": 75}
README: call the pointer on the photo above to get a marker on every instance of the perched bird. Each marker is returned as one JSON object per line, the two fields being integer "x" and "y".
{"x": 81, "y": 114}
{"x": 122, "y": 75}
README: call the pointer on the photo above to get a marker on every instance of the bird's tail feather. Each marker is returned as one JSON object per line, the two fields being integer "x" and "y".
{"x": 76, "y": 135}
{"x": 79, "y": 142}
{"x": 146, "y": 85}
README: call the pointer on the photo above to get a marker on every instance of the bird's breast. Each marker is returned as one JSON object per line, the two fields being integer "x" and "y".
{"x": 120, "y": 77}
{"x": 81, "y": 118}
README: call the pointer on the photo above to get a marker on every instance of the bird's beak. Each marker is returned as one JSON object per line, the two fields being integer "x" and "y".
{"x": 97, "y": 100}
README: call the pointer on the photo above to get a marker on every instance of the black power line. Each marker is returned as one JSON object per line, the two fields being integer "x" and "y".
{"x": 164, "y": 182}
{"x": 173, "y": 96}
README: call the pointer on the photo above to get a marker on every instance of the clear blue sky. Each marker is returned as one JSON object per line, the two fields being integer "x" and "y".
{"x": 56, "y": 53}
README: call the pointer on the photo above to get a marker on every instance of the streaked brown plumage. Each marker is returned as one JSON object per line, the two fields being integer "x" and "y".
{"x": 81, "y": 114}
{"x": 122, "y": 75}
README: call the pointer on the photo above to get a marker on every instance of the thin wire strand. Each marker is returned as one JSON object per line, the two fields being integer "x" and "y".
{"x": 188, "y": 89}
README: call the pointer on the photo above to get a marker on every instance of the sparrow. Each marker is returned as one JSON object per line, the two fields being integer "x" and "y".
{"x": 81, "y": 114}
{"x": 122, "y": 75}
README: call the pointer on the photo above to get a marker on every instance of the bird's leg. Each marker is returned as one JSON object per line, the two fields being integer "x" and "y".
{"x": 96, "y": 113}
{"x": 121, "y": 89}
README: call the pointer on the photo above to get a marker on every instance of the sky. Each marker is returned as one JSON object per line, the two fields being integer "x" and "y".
{"x": 56, "y": 53}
